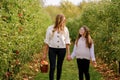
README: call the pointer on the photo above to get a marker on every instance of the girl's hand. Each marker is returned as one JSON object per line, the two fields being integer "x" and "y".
{"x": 94, "y": 64}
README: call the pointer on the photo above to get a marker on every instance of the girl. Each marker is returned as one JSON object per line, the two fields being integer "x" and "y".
{"x": 57, "y": 45}
{"x": 84, "y": 50}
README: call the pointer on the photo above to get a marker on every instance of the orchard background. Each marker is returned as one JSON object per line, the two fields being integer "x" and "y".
{"x": 22, "y": 28}
{"x": 23, "y": 25}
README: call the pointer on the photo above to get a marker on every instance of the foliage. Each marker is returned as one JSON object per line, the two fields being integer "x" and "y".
{"x": 67, "y": 8}
{"x": 103, "y": 19}
{"x": 22, "y": 26}
{"x": 53, "y": 11}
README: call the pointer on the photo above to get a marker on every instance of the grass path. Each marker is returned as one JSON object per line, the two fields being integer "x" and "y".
{"x": 70, "y": 72}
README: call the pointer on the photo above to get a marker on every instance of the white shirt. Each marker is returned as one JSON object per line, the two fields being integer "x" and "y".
{"x": 82, "y": 51}
{"x": 57, "y": 40}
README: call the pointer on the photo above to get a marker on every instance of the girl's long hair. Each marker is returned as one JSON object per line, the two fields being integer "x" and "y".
{"x": 89, "y": 40}
{"x": 59, "y": 23}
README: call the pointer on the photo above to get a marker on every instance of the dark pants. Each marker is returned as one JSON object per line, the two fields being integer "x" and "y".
{"x": 83, "y": 68}
{"x": 59, "y": 54}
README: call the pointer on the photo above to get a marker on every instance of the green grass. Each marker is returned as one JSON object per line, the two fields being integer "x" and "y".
{"x": 70, "y": 72}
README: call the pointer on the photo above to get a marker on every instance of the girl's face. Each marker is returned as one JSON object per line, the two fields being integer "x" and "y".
{"x": 82, "y": 31}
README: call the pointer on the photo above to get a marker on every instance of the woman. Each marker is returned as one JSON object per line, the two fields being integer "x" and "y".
{"x": 84, "y": 50}
{"x": 57, "y": 43}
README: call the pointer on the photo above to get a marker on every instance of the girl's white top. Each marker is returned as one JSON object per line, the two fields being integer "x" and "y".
{"x": 82, "y": 51}
{"x": 57, "y": 40}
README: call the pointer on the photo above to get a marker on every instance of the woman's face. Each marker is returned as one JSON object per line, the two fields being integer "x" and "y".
{"x": 82, "y": 31}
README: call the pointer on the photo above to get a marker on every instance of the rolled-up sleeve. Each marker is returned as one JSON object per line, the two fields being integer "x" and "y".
{"x": 46, "y": 40}
{"x": 67, "y": 37}
{"x": 92, "y": 52}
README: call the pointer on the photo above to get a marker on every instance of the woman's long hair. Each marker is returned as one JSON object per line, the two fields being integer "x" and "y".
{"x": 59, "y": 23}
{"x": 89, "y": 40}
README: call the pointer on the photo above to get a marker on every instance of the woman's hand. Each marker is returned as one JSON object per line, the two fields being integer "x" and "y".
{"x": 44, "y": 57}
{"x": 69, "y": 57}
{"x": 45, "y": 51}
{"x": 68, "y": 52}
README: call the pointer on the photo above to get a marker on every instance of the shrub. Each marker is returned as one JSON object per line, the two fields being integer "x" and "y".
{"x": 22, "y": 26}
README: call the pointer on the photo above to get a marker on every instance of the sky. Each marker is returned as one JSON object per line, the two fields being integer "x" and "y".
{"x": 57, "y": 2}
